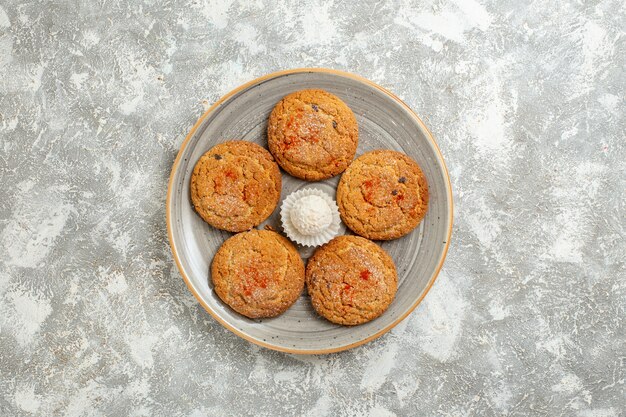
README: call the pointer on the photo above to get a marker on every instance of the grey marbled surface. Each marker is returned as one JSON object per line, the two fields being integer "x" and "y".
{"x": 526, "y": 100}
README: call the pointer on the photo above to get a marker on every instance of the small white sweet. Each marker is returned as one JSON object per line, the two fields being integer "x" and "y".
{"x": 310, "y": 217}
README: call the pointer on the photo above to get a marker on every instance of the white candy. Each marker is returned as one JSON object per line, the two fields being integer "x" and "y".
{"x": 311, "y": 215}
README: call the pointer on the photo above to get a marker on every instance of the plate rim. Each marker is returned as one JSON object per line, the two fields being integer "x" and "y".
{"x": 174, "y": 170}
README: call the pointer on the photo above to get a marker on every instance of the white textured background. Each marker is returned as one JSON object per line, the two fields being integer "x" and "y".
{"x": 526, "y": 100}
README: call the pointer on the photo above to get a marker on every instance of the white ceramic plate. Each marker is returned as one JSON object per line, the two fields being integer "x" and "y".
{"x": 384, "y": 122}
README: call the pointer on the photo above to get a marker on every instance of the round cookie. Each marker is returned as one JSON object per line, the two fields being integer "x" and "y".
{"x": 235, "y": 186}
{"x": 258, "y": 273}
{"x": 312, "y": 134}
{"x": 382, "y": 195}
{"x": 351, "y": 280}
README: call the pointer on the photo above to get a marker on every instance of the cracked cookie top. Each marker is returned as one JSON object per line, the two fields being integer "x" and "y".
{"x": 351, "y": 280}
{"x": 258, "y": 273}
{"x": 312, "y": 134}
{"x": 382, "y": 195}
{"x": 235, "y": 186}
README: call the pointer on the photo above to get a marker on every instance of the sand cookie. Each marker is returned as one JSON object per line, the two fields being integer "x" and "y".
{"x": 235, "y": 186}
{"x": 382, "y": 195}
{"x": 312, "y": 134}
{"x": 351, "y": 280}
{"x": 258, "y": 273}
